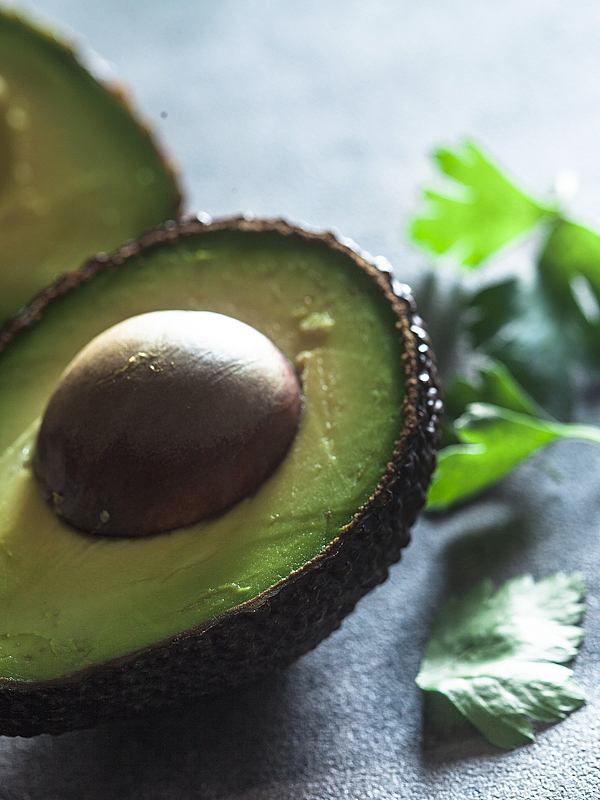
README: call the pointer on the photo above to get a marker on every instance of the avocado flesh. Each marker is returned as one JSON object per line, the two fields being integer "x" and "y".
{"x": 78, "y": 174}
{"x": 69, "y": 600}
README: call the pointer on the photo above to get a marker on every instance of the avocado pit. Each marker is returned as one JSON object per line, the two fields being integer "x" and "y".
{"x": 164, "y": 420}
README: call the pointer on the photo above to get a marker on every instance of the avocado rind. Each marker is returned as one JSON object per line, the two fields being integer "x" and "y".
{"x": 290, "y": 618}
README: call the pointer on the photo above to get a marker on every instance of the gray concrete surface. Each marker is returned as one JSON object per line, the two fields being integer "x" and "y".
{"x": 325, "y": 111}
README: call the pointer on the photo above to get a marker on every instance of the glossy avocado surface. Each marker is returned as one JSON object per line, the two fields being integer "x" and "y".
{"x": 100, "y": 625}
{"x": 78, "y": 173}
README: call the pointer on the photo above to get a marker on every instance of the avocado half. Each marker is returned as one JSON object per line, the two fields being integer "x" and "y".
{"x": 79, "y": 173}
{"x": 96, "y": 627}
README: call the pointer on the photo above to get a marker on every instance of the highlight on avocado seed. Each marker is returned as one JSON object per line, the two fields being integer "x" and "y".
{"x": 164, "y": 420}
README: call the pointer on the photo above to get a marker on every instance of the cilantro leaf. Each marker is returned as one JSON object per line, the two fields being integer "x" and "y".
{"x": 498, "y": 656}
{"x": 493, "y": 441}
{"x": 485, "y": 212}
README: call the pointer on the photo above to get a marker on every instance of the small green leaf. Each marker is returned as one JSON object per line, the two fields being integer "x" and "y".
{"x": 498, "y": 656}
{"x": 494, "y": 441}
{"x": 493, "y": 384}
{"x": 501, "y": 389}
{"x": 485, "y": 211}
{"x": 569, "y": 269}
{"x": 570, "y": 250}
{"x": 515, "y": 324}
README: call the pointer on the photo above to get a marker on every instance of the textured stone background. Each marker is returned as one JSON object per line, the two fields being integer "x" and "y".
{"x": 325, "y": 111}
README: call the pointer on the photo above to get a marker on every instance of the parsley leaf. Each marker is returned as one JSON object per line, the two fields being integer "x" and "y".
{"x": 494, "y": 441}
{"x": 485, "y": 212}
{"x": 542, "y": 323}
{"x": 498, "y": 656}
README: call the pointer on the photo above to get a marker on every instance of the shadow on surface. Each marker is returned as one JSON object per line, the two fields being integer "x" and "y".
{"x": 447, "y": 736}
{"x": 213, "y": 748}
{"x": 484, "y": 551}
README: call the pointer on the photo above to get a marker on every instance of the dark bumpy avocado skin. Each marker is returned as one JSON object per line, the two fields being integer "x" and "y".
{"x": 280, "y": 625}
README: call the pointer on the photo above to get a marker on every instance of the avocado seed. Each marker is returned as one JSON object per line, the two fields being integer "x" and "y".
{"x": 164, "y": 420}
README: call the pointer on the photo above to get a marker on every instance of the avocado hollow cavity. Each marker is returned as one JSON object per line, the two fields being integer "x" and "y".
{"x": 163, "y": 420}
{"x": 95, "y": 625}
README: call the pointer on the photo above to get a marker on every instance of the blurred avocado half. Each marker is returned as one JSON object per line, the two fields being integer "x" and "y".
{"x": 79, "y": 173}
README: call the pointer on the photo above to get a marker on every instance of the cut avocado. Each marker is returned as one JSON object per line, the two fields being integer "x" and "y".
{"x": 78, "y": 173}
{"x": 94, "y": 626}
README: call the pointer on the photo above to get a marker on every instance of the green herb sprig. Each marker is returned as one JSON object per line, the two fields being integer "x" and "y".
{"x": 499, "y": 657}
{"x": 528, "y": 333}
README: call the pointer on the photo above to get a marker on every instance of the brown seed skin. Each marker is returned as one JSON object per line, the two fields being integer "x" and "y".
{"x": 164, "y": 420}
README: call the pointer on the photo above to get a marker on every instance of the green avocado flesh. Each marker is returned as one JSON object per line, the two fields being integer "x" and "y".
{"x": 78, "y": 174}
{"x": 71, "y": 600}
